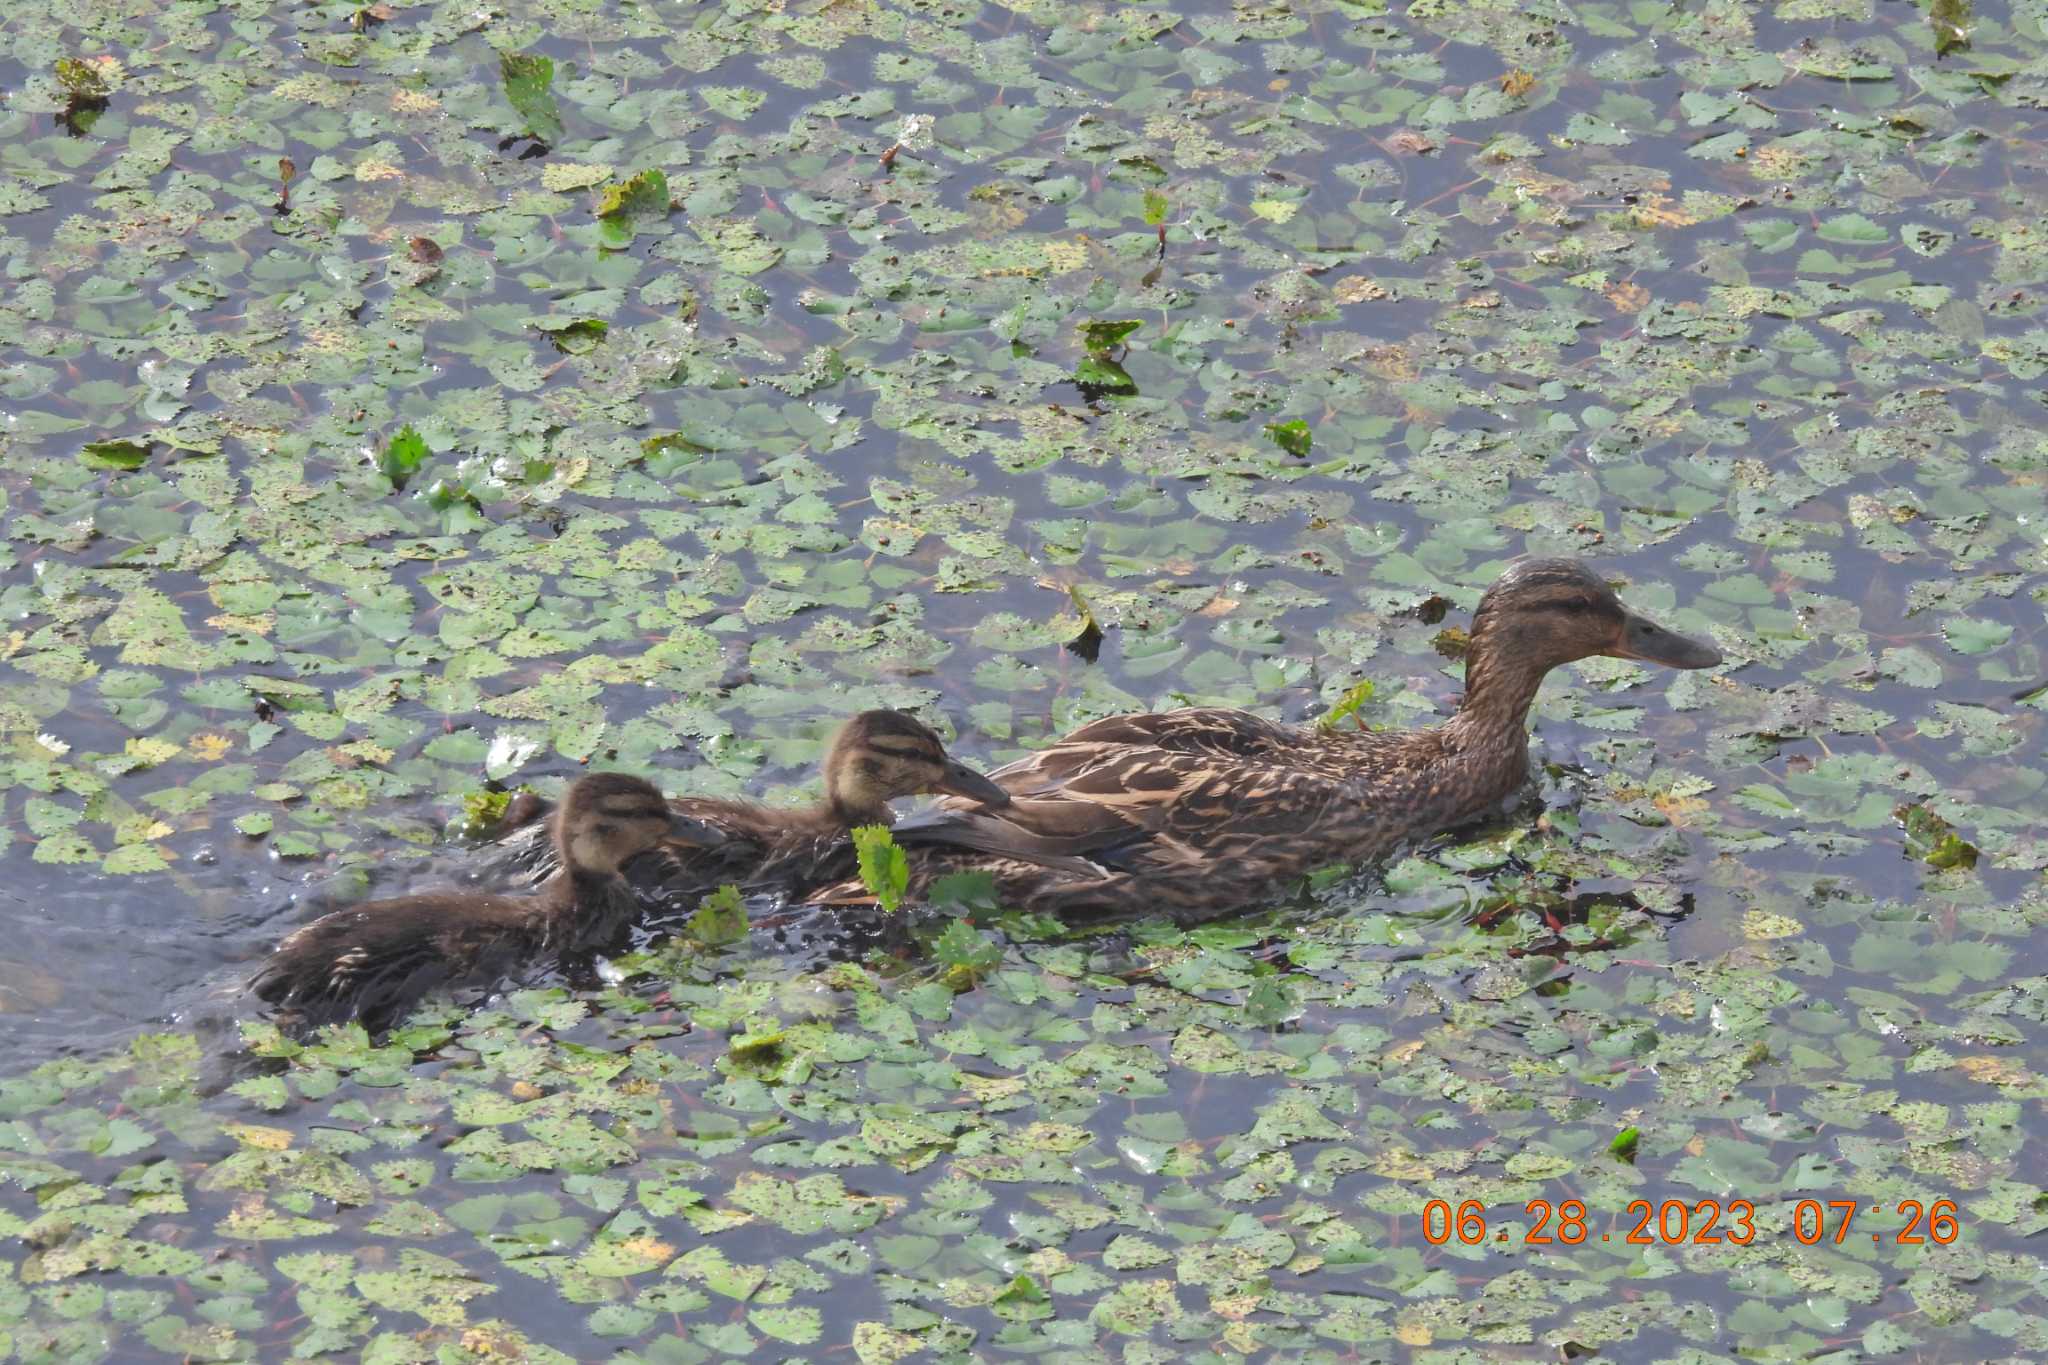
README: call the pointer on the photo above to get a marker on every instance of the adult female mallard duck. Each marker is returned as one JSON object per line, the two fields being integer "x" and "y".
{"x": 373, "y": 962}
{"x": 1200, "y": 811}
{"x": 874, "y": 758}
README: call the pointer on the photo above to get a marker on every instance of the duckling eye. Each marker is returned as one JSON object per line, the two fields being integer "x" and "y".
{"x": 1578, "y": 606}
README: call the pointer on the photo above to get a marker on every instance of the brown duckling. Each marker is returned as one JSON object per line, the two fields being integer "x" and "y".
{"x": 373, "y": 962}
{"x": 875, "y": 758}
{"x": 1202, "y": 811}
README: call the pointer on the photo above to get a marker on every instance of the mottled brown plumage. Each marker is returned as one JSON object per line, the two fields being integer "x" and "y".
{"x": 1202, "y": 811}
{"x": 875, "y": 758}
{"x": 374, "y": 961}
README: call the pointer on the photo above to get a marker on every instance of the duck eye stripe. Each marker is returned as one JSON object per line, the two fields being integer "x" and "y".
{"x": 900, "y": 751}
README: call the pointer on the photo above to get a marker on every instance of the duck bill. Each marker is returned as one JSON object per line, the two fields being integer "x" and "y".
{"x": 1645, "y": 640}
{"x": 693, "y": 833}
{"x": 961, "y": 780}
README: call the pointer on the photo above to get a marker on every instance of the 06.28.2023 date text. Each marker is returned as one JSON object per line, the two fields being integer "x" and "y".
{"x": 1698, "y": 1222}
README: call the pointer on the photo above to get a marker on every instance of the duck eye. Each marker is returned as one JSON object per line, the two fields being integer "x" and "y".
{"x": 1578, "y": 606}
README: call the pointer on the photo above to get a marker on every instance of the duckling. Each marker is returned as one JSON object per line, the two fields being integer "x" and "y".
{"x": 373, "y": 962}
{"x": 1201, "y": 811}
{"x": 876, "y": 757}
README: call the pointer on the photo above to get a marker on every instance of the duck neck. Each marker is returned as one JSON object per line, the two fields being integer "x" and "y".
{"x": 1494, "y": 716}
{"x": 589, "y": 907}
{"x": 851, "y": 814}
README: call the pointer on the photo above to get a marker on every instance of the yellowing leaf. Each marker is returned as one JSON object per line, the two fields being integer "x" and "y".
{"x": 1627, "y": 298}
{"x": 876, "y": 1344}
{"x": 259, "y": 1137}
{"x": 1402, "y": 1166}
{"x": 1276, "y": 210}
{"x": 150, "y": 752}
{"x": 1679, "y": 810}
{"x": 567, "y": 175}
{"x": 363, "y": 751}
{"x": 1994, "y": 1070}
{"x": 1660, "y": 211}
{"x": 1760, "y": 925}
{"x": 209, "y": 747}
{"x": 1065, "y": 256}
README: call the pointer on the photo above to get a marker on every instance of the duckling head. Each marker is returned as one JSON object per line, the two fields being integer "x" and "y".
{"x": 880, "y": 755}
{"x": 608, "y": 819}
{"x": 1545, "y": 612}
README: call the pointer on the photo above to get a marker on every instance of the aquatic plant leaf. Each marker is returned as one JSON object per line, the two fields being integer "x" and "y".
{"x": 1101, "y": 377}
{"x": 1355, "y": 696}
{"x": 627, "y": 206}
{"x": 1932, "y": 839}
{"x": 884, "y": 870}
{"x": 402, "y": 456}
{"x": 963, "y": 947}
{"x": 529, "y": 87}
{"x": 721, "y": 918}
{"x": 1292, "y": 436}
{"x": 81, "y": 80}
{"x": 830, "y": 452}
{"x": 116, "y": 454}
{"x": 1102, "y": 337}
{"x": 573, "y": 336}
{"x": 1951, "y": 22}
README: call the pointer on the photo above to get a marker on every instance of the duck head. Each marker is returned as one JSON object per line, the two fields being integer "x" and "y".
{"x": 880, "y": 755}
{"x": 1546, "y": 612}
{"x": 608, "y": 819}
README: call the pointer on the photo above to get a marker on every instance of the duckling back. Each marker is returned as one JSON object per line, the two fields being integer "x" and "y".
{"x": 374, "y": 962}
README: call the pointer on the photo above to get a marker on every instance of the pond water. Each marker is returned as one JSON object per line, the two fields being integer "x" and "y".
{"x": 648, "y": 386}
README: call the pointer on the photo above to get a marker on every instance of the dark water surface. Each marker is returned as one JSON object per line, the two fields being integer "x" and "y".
{"x": 1743, "y": 303}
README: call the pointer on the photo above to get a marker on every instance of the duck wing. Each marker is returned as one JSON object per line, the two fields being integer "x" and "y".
{"x": 1213, "y": 731}
{"x": 1130, "y": 791}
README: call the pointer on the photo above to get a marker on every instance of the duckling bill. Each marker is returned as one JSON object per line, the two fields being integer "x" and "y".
{"x": 374, "y": 962}
{"x": 1203, "y": 811}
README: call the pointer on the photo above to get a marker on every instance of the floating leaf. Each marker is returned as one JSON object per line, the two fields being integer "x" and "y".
{"x": 116, "y": 454}
{"x": 1100, "y": 338}
{"x": 627, "y": 206}
{"x": 963, "y": 947}
{"x": 508, "y": 753}
{"x": 720, "y": 918}
{"x": 1272, "y": 1001}
{"x": 1762, "y": 926}
{"x": 529, "y": 87}
{"x": 574, "y": 336}
{"x": 1097, "y": 378}
{"x": 1932, "y": 839}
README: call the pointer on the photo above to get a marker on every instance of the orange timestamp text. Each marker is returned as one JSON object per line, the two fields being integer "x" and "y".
{"x": 1694, "y": 1222}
